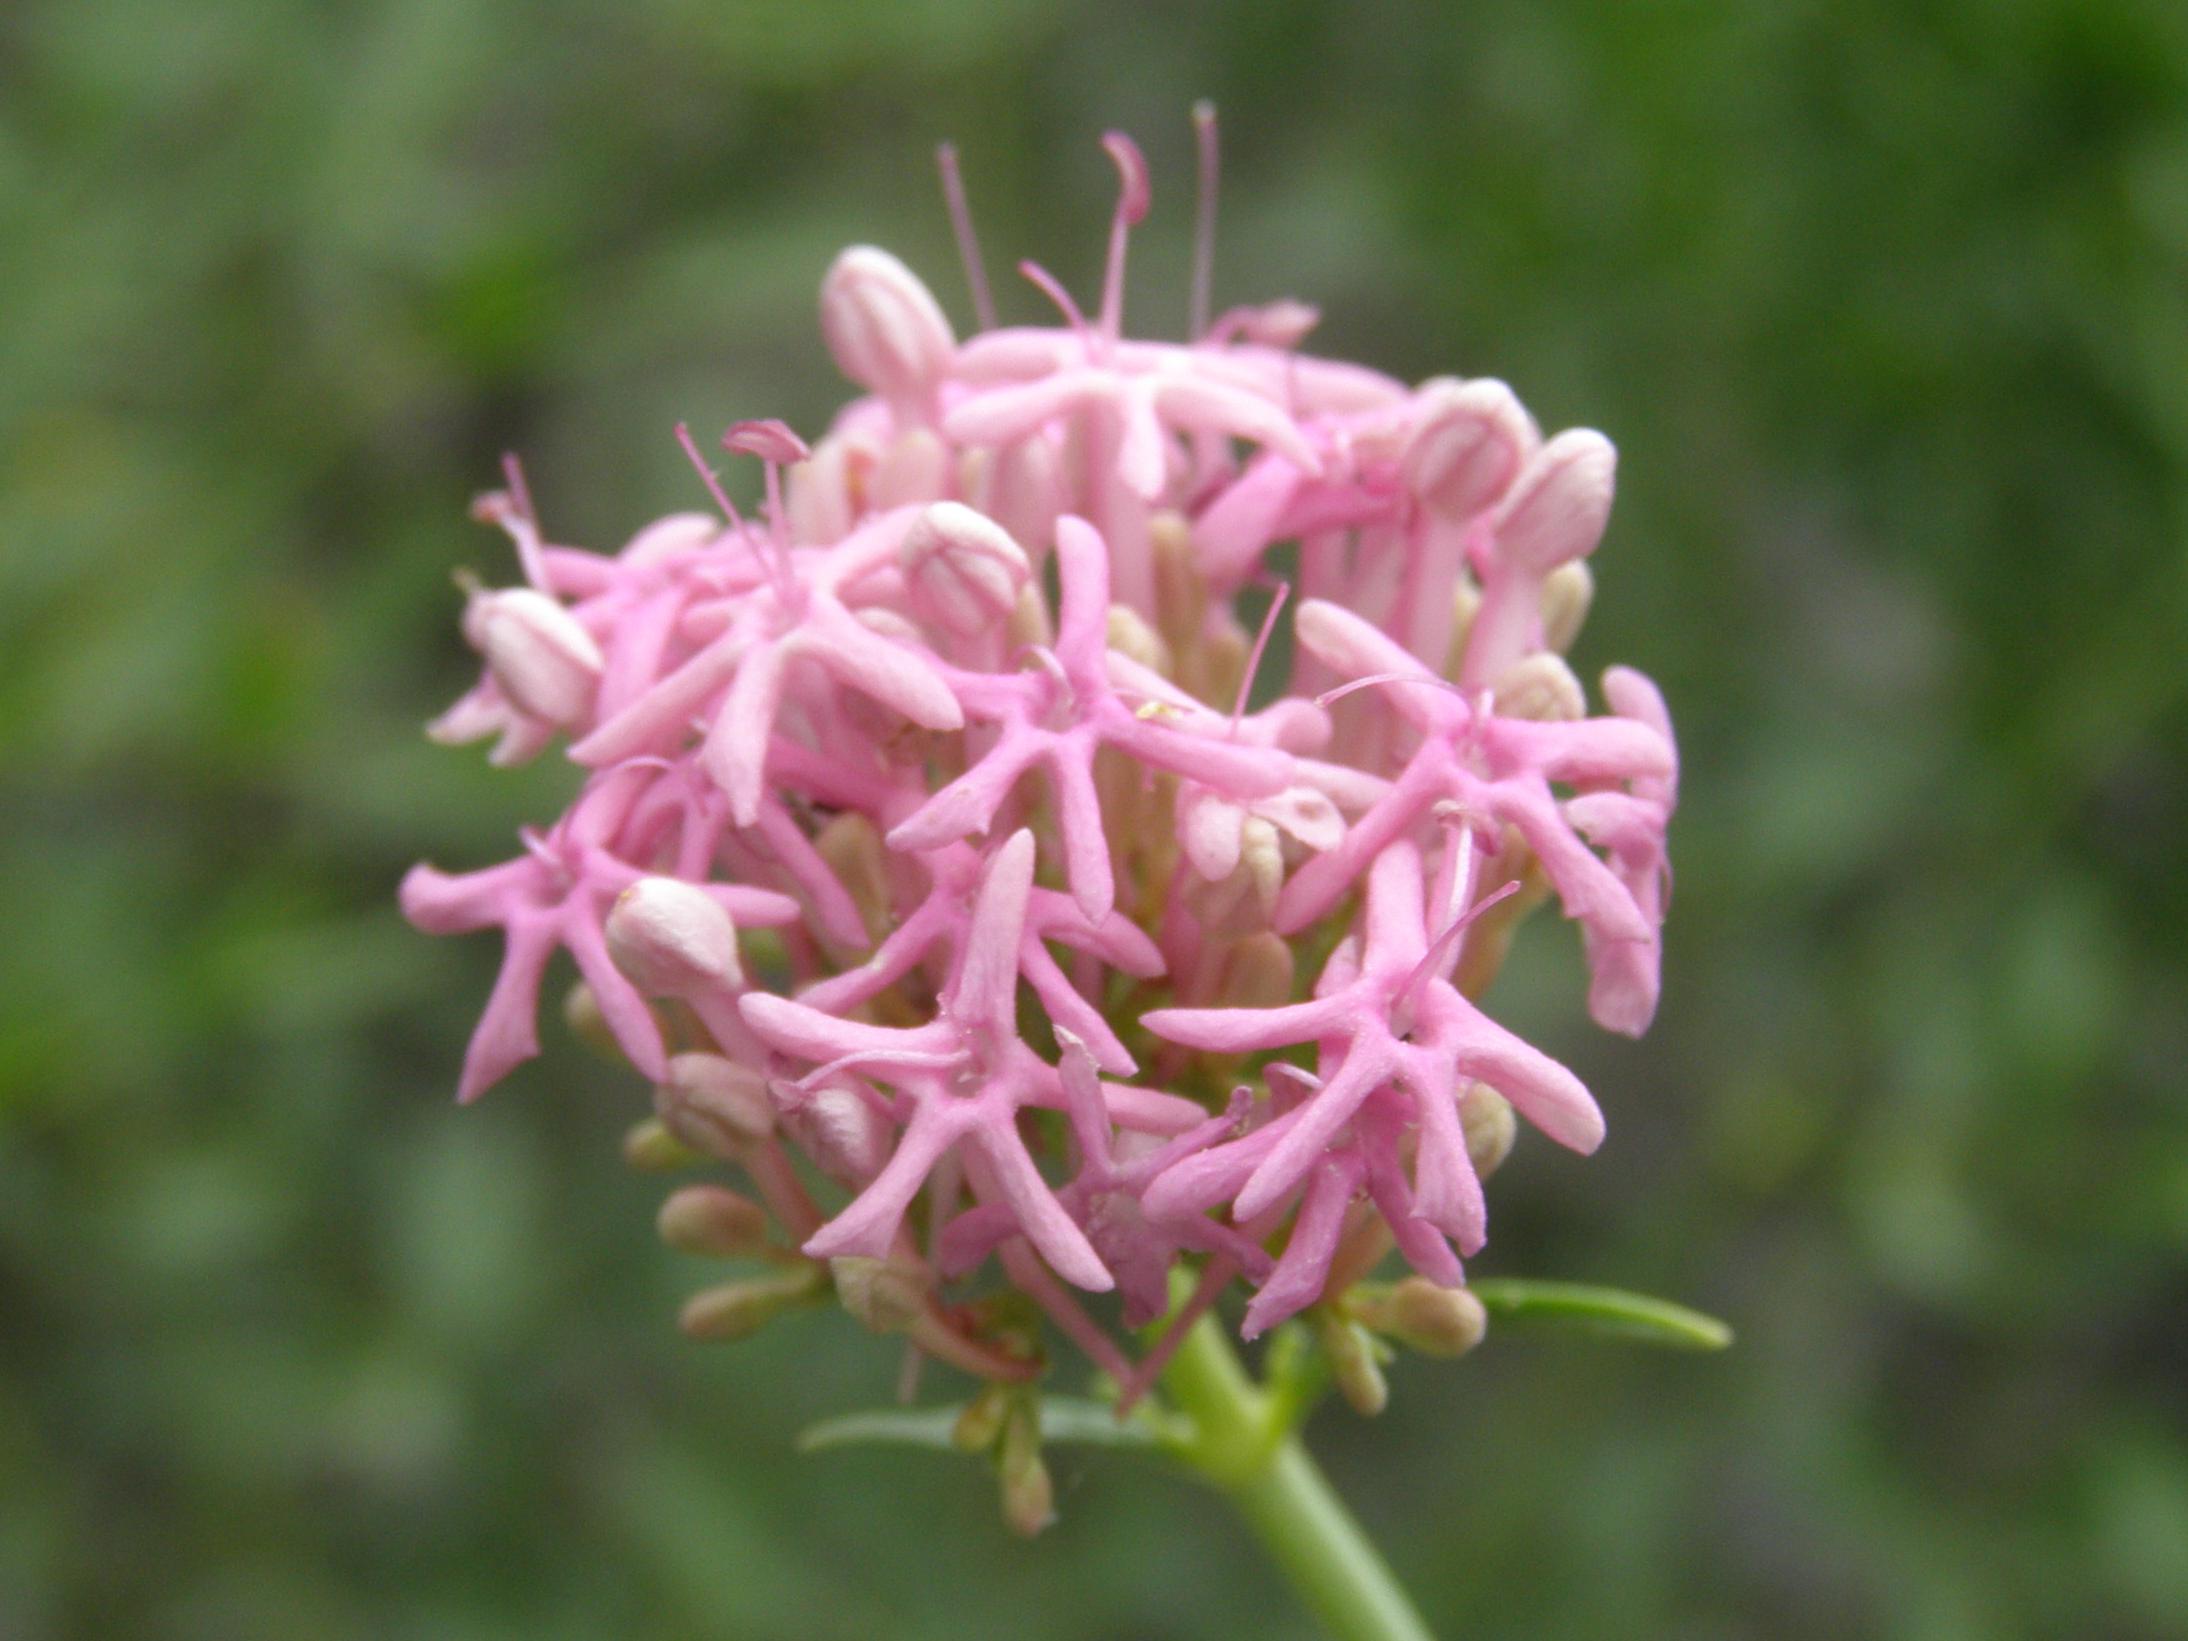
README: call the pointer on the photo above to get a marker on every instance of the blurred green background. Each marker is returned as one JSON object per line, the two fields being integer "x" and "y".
{"x": 1887, "y": 308}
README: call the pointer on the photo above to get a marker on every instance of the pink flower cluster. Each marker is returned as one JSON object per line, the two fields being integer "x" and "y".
{"x": 932, "y": 850}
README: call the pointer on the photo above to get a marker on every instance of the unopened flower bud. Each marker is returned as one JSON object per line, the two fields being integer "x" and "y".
{"x": 1284, "y": 323}
{"x": 1181, "y": 591}
{"x": 1556, "y": 511}
{"x": 964, "y": 570}
{"x": 1021, "y": 489}
{"x": 714, "y": 1104}
{"x": 914, "y": 469}
{"x": 650, "y": 1148}
{"x": 1491, "y": 1129}
{"x": 886, "y": 330}
{"x": 1029, "y": 1497}
{"x": 888, "y": 1297}
{"x": 1565, "y": 600}
{"x": 821, "y": 492}
{"x": 1130, "y": 635}
{"x": 673, "y": 939}
{"x": 1467, "y": 446}
{"x": 1261, "y": 857}
{"x": 852, "y": 847}
{"x": 541, "y": 656}
{"x": 712, "y": 1221}
{"x": 669, "y": 537}
{"x": 1465, "y": 605}
{"x": 1422, "y": 1316}
{"x": 1541, "y": 687}
{"x": 1258, "y": 972}
{"x": 981, "y": 1424}
{"x": 1029, "y": 623}
{"x": 737, "y": 1310}
{"x": 889, "y": 623}
{"x": 581, "y": 1013}
{"x": 846, "y": 1138}
{"x": 1353, "y": 1358}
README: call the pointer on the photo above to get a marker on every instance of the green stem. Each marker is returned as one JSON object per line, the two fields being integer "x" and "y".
{"x": 1242, "y": 1443}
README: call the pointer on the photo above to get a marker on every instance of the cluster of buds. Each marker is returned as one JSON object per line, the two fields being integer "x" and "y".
{"x": 960, "y": 861}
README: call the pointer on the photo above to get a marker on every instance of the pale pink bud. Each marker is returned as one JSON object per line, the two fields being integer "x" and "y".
{"x": 884, "y": 327}
{"x": 673, "y": 939}
{"x": 713, "y": 1222}
{"x": 1490, "y": 1128}
{"x": 1434, "y": 1320}
{"x": 846, "y": 1137}
{"x": 822, "y": 490}
{"x": 1557, "y": 510}
{"x": 1355, "y": 1364}
{"x": 1131, "y": 635}
{"x": 1541, "y": 688}
{"x": 738, "y": 1310}
{"x": 665, "y": 538}
{"x": 1283, "y": 323}
{"x": 1022, "y": 490}
{"x": 545, "y": 662}
{"x": 885, "y": 1295}
{"x": 1029, "y": 1497}
{"x": 964, "y": 570}
{"x": 714, "y": 1104}
{"x": 914, "y": 469}
{"x": 1467, "y": 445}
{"x": 1258, "y": 972}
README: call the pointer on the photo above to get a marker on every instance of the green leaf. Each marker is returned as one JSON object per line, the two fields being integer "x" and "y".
{"x": 897, "y": 1426}
{"x": 1610, "y": 1311}
{"x": 1072, "y": 1419}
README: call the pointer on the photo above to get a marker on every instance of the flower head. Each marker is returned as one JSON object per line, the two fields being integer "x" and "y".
{"x": 991, "y": 903}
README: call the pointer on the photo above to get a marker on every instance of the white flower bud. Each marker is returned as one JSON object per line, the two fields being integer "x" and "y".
{"x": 673, "y": 939}
{"x": 884, "y": 327}
{"x": 544, "y": 660}
{"x": 964, "y": 570}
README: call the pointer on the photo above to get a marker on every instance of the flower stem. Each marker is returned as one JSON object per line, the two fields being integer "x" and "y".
{"x": 1242, "y": 1443}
